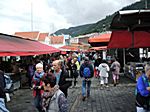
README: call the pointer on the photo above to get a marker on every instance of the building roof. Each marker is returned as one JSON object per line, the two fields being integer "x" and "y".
{"x": 42, "y": 36}
{"x": 29, "y": 35}
{"x": 56, "y": 39}
{"x": 100, "y": 38}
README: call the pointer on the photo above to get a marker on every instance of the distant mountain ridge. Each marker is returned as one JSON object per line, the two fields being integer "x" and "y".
{"x": 102, "y": 25}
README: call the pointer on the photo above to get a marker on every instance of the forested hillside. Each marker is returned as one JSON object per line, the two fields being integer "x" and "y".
{"x": 100, "y": 26}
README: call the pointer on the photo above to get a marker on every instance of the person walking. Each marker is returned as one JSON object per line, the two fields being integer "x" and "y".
{"x": 62, "y": 77}
{"x": 103, "y": 73}
{"x": 143, "y": 91}
{"x": 86, "y": 72}
{"x": 115, "y": 68}
{"x": 37, "y": 85}
{"x": 74, "y": 72}
{"x": 2, "y": 93}
{"x": 53, "y": 99}
{"x": 30, "y": 72}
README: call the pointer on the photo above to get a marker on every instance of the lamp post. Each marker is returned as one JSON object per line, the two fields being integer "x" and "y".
{"x": 104, "y": 28}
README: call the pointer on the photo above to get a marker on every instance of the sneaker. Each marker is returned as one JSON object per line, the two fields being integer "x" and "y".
{"x": 83, "y": 98}
{"x": 107, "y": 86}
{"x": 88, "y": 95}
{"x": 114, "y": 85}
{"x": 101, "y": 88}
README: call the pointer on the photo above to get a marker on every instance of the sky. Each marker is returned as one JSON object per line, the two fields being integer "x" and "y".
{"x": 52, "y": 15}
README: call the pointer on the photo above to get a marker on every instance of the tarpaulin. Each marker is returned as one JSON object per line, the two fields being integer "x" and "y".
{"x": 126, "y": 39}
{"x": 16, "y": 46}
{"x": 130, "y": 29}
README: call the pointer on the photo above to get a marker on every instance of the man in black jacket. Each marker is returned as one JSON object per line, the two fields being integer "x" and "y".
{"x": 62, "y": 77}
{"x": 86, "y": 72}
{"x": 2, "y": 93}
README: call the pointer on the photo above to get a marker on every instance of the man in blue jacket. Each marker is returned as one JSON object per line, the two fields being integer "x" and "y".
{"x": 143, "y": 91}
{"x": 86, "y": 72}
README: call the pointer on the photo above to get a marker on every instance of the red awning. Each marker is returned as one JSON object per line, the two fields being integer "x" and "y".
{"x": 63, "y": 52}
{"x": 68, "y": 48}
{"x": 126, "y": 39}
{"x": 99, "y": 48}
{"x": 100, "y": 40}
{"x": 16, "y": 46}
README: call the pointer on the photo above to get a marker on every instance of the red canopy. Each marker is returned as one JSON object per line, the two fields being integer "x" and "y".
{"x": 100, "y": 40}
{"x": 126, "y": 39}
{"x": 99, "y": 48}
{"x": 69, "y": 48}
{"x": 16, "y": 46}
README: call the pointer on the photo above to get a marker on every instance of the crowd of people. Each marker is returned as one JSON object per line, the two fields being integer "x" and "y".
{"x": 64, "y": 72}
{"x": 50, "y": 81}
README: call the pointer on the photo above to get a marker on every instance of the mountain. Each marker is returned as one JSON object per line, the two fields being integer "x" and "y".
{"x": 102, "y": 25}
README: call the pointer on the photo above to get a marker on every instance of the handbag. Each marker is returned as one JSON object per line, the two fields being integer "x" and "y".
{"x": 75, "y": 73}
{"x": 112, "y": 69}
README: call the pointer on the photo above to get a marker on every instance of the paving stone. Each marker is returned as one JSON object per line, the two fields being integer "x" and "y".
{"x": 112, "y": 99}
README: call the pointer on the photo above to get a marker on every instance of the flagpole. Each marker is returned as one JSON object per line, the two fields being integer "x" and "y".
{"x": 31, "y": 16}
{"x": 146, "y": 4}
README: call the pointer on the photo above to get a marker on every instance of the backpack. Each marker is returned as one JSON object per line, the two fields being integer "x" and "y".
{"x": 86, "y": 72}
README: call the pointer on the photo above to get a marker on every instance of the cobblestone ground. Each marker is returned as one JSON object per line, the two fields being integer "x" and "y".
{"x": 112, "y": 99}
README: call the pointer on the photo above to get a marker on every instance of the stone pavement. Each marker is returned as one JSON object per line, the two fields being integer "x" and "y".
{"x": 112, "y": 99}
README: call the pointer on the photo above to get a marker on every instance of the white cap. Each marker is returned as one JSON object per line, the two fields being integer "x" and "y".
{"x": 39, "y": 65}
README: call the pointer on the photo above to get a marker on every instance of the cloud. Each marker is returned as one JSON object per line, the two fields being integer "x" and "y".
{"x": 51, "y": 15}
{"x": 80, "y": 12}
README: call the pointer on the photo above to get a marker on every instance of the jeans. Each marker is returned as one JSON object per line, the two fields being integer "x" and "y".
{"x": 37, "y": 102}
{"x": 86, "y": 84}
{"x": 2, "y": 105}
{"x": 140, "y": 109}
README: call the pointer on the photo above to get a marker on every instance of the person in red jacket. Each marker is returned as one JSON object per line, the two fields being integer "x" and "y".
{"x": 37, "y": 85}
